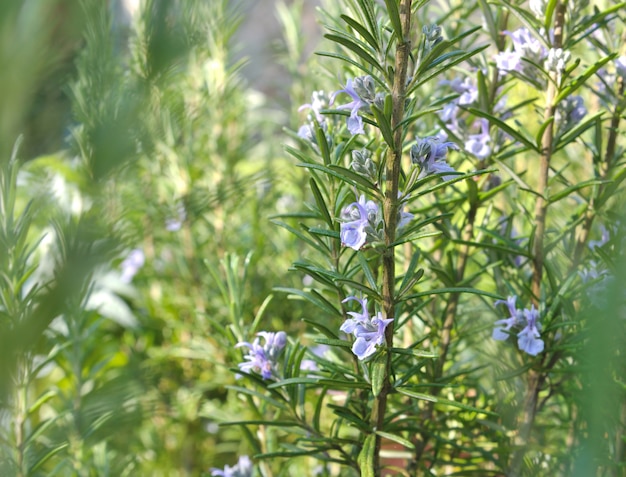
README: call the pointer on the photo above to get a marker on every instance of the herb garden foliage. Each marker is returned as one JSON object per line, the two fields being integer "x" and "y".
{"x": 425, "y": 279}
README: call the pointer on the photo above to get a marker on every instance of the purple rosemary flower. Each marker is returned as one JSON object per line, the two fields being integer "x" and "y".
{"x": 306, "y": 132}
{"x": 318, "y": 102}
{"x": 263, "y": 359}
{"x": 528, "y": 339}
{"x": 479, "y": 144}
{"x": 358, "y": 216}
{"x": 131, "y": 265}
{"x": 350, "y": 324}
{"x": 501, "y": 331}
{"x": 243, "y": 468}
{"x": 355, "y": 123}
{"x": 465, "y": 87}
{"x": 525, "y": 45}
{"x": 369, "y": 334}
{"x": 508, "y": 61}
{"x": 430, "y": 155}
{"x": 353, "y": 233}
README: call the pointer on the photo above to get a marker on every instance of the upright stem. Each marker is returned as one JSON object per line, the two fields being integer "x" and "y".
{"x": 390, "y": 210}
{"x": 536, "y": 379}
{"x": 541, "y": 205}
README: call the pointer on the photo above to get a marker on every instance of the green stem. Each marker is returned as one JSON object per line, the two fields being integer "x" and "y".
{"x": 536, "y": 379}
{"x": 390, "y": 212}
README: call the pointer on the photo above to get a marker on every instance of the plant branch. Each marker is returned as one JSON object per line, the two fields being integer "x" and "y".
{"x": 390, "y": 211}
{"x": 537, "y": 378}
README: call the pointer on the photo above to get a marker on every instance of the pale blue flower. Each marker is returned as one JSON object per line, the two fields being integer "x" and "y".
{"x": 528, "y": 339}
{"x": 353, "y": 233}
{"x": 508, "y": 61}
{"x": 306, "y": 132}
{"x": 479, "y": 144}
{"x": 369, "y": 332}
{"x": 430, "y": 155}
{"x": 358, "y": 216}
{"x": 263, "y": 359}
{"x": 243, "y": 468}
{"x": 132, "y": 264}
{"x": 318, "y": 102}
{"x": 350, "y": 324}
{"x": 369, "y": 335}
{"x": 501, "y": 331}
{"x": 465, "y": 87}
{"x": 525, "y": 45}
{"x": 355, "y": 122}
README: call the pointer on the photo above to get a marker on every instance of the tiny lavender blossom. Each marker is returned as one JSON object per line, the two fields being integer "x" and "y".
{"x": 318, "y": 102}
{"x": 359, "y": 215}
{"x": 500, "y": 332}
{"x": 350, "y": 324}
{"x": 528, "y": 339}
{"x": 355, "y": 123}
{"x": 263, "y": 359}
{"x": 430, "y": 155}
{"x": 131, "y": 265}
{"x": 369, "y": 335}
{"x": 243, "y": 468}
{"x": 369, "y": 332}
{"x": 524, "y": 46}
{"x": 478, "y": 144}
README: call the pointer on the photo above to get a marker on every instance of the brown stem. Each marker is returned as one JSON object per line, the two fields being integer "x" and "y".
{"x": 541, "y": 205}
{"x": 537, "y": 378}
{"x": 390, "y": 212}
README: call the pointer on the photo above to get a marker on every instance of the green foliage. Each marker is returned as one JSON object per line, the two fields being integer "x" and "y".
{"x": 173, "y": 224}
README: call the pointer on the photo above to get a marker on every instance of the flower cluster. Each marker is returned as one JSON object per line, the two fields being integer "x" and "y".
{"x": 570, "y": 112}
{"x": 368, "y": 331}
{"x": 525, "y": 47}
{"x": 528, "y": 339}
{"x": 243, "y": 468}
{"x": 363, "y": 223}
{"x": 363, "y": 93}
{"x": 477, "y": 144}
{"x": 430, "y": 155}
{"x": 263, "y": 359}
